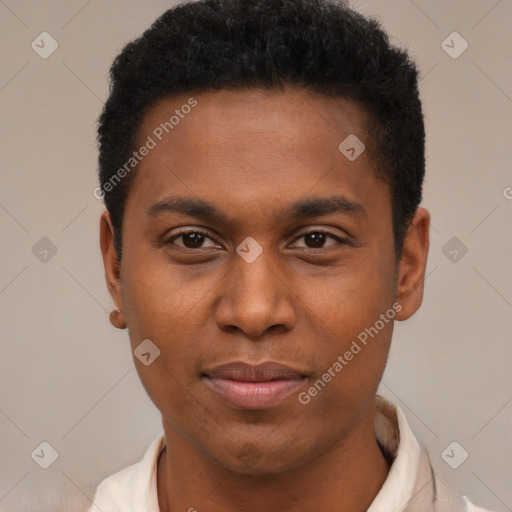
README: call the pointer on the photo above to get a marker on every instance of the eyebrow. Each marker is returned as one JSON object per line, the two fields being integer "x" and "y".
{"x": 315, "y": 207}
{"x": 311, "y": 207}
{"x": 188, "y": 206}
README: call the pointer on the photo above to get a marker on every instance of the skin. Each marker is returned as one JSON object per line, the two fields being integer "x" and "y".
{"x": 252, "y": 153}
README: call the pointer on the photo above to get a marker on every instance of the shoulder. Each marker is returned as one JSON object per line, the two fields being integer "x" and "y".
{"x": 470, "y": 507}
{"x": 131, "y": 488}
{"x": 112, "y": 493}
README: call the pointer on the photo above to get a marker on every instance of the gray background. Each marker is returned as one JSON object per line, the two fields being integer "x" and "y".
{"x": 66, "y": 375}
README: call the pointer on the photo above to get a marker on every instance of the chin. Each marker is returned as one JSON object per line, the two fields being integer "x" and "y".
{"x": 261, "y": 460}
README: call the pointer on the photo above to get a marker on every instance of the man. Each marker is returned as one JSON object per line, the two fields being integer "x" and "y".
{"x": 262, "y": 165}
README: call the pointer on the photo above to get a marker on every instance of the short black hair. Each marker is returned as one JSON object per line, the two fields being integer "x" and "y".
{"x": 320, "y": 45}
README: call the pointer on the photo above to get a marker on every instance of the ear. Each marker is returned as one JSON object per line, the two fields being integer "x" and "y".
{"x": 412, "y": 265}
{"x": 112, "y": 268}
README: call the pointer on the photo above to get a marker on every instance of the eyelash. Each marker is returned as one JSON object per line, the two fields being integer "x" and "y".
{"x": 205, "y": 234}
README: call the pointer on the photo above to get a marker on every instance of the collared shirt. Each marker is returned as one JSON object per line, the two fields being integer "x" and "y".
{"x": 410, "y": 486}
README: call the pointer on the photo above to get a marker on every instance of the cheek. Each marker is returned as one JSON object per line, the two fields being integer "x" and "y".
{"x": 351, "y": 300}
{"x": 160, "y": 301}
{"x": 165, "y": 310}
{"x": 353, "y": 318}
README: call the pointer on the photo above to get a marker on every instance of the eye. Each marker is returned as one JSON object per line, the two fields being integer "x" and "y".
{"x": 192, "y": 239}
{"x": 195, "y": 239}
{"x": 316, "y": 238}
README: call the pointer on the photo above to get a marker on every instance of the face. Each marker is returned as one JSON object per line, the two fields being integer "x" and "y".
{"x": 256, "y": 256}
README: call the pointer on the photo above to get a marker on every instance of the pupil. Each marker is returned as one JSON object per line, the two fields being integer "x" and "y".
{"x": 196, "y": 238}
{"x": 316, "y": 238}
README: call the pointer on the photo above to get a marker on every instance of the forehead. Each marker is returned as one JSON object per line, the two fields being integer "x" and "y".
{"x": 253, "y": 148}
{"x": 247, "y": 112}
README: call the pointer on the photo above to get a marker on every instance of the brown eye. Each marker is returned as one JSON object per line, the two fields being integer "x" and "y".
{"x": 190, "y": 239}
{"x": 317, "y": 239}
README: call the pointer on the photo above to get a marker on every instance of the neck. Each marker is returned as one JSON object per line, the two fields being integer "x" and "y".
{"x": 346, "y": 477}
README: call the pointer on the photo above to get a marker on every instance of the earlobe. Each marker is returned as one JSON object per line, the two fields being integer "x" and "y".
{"x": 412, "y": 265}
{"x": 112, "y": 269}
{"x": 116, "y": 319}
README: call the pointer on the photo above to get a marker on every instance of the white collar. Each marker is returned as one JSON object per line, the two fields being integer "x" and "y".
{"x": 135, "y": 487}
{"x": 395, "y": 435}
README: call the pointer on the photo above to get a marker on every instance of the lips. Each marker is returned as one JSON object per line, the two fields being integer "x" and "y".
{"x": 248, "y": 386}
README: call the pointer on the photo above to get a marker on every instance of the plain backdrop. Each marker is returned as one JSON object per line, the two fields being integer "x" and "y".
{"x": 67, "y": 376}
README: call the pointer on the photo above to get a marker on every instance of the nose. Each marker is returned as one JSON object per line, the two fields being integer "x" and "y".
{"x": 255, "y": 298}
